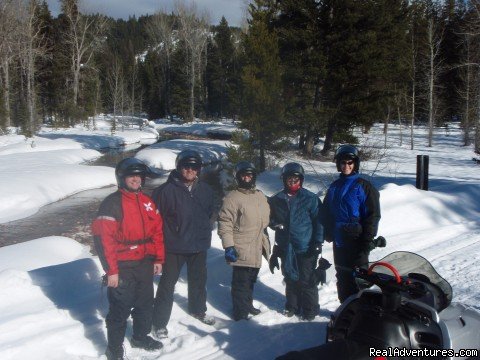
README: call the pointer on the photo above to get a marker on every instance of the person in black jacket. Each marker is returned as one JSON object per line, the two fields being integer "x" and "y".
{"x": 186, "y": 205}
{"x": 353, "y": 211}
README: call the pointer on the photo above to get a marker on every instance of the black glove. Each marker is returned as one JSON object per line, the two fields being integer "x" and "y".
{"x": 321, "y": 270}
{"x": 273, "y": 262}
{"x": 231, "y": 254}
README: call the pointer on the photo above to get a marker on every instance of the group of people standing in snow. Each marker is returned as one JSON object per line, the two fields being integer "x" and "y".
{"x": 137, "y": 236}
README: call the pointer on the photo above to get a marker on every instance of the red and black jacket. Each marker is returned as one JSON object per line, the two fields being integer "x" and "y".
{"x": 128, "y": 226}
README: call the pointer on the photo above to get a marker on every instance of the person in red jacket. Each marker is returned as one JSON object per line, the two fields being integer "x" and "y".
{"x": 128, "y": 238}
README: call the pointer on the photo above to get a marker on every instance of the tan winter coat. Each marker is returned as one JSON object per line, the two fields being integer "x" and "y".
{"x": 242, "y": 221}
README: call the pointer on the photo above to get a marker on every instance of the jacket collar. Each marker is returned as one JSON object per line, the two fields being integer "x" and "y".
{"x": 175, "y": 179}
{"x": 351, "y": 177}
{"x": 129, "y": 194}
{"x": 247, "y": 191}
{"x": 283, "y": 194}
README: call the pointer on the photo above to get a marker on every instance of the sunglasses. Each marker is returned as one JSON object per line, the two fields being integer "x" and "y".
{"x": 293, "y": 179}
{"x": 191, "y": 167}
{"x": 347, "y": 162}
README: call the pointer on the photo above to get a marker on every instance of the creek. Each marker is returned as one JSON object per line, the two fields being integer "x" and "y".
{"x": 72, "y": 216}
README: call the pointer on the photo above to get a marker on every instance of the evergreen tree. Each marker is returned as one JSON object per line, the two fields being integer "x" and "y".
{"x": 362, "y": 61}
{"x": 451, "y": 55}
{"x": 221, "y": 82}
{"x": 302, "y": 53}
{"x": 262, "y": 111}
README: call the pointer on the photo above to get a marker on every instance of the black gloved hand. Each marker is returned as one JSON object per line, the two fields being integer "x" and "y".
{"x": 321, "y": 271}
{"x": 273, "y": 262}
{"x": 231, "y": 254}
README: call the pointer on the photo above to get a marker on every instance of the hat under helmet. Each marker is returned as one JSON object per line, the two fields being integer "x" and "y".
{"x": 292, "y": 169}
{"x": 127, "y": 167}
{"x": 188, "y": 157}
{"x": 245, "y": 167}
{"x": 347, "y": 152}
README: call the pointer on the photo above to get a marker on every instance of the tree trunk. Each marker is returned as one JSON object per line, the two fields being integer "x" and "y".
{"x": 327, "y": 146}
{"x": 31, "y": 103}
{"x": 192, "y": 87}
{"x": 262, "y": 152}
{"x": 6, "y": 93}
{"x": 309, "y": 143}
{"x": 385, "y": 127}
{"x": 412, "y": 120}
{"x": 76, "y": 80}
{"x": 430, "y": 98}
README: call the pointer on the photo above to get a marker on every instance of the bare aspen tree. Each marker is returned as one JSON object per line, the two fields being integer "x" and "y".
{"x": 468, "y": 74}
{"x": 161, "y": 32}
{"x": 84, "y": 37}
{"x": 115, "y": 81}
{"x": 32, "y": 47}
{"x": 194, "y": 31}
{"x": 9, "y": 28}
{"x": 434, "y": 40}
{"x": 133, "y": 85}
{"x": 474, "y": 28}
{"x": 413, "y": 79}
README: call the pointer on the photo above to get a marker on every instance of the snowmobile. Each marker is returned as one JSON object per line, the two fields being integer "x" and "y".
{"x": 404, "y": 311}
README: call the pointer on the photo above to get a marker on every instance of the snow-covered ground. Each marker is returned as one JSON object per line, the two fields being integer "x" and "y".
{"x": 52, "y": 305}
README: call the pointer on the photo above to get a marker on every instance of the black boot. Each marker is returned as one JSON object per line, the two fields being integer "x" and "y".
{"x": 115, "y": 353}
{"x": 254, "y": 311}
{"x": 146, "y": 343}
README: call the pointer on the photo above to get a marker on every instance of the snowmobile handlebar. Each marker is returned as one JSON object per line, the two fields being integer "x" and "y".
{"x": 398, "y": 279}
{"x": 386, "y": 282}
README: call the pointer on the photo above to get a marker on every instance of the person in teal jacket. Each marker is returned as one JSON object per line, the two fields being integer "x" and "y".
{"x": 296, "y": 216}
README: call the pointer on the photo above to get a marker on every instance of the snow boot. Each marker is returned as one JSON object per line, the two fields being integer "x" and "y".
{"x": 146, "y": 343}
{"x": 209, "y": 320}
{"x": 115, "y": 353}
{"x": 254, "y": 311}
{"x": 159, "y": 333}
{"x": 288, "y": 313}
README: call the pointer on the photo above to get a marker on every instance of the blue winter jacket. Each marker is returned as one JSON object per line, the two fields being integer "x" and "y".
{"x": 302, "y": 220}
{"x": 187, "y": 215}
{"x": 353, "y": 211}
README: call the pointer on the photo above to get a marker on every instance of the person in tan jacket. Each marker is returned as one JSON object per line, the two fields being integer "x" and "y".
{"x": 242, "y": 224}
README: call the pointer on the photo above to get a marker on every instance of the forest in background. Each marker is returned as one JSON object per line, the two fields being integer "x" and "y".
{"x": 307, "y": 68}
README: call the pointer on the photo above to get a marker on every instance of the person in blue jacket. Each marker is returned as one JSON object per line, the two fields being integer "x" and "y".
{"x": 186, "y": 205}
{"x": 296, "y": 216}
{"x": 353, "y": 211}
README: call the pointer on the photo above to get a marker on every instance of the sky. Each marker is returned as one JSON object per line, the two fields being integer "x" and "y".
{"x": 53, "y": 308}
{"x": 233, "y": 10}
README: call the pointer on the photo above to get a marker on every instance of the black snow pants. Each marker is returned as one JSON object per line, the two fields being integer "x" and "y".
{"x": 243, "y": 281}
{"x": 197, "y": 291}
{"x": 346, "y": 259}
{"x": 134, "y": 295}
{"x": 302, "y": 295}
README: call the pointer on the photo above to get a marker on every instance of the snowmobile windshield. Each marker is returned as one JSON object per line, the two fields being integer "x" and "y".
{"x": 410, "y": 265}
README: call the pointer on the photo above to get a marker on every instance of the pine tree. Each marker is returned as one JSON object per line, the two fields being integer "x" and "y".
{"x": 302, "y": 53}
{"x": 361, "y": 61}
{"x": 44, "y": 77}
{"x": 262, "y": 111}
{"x": 221, "y": 74}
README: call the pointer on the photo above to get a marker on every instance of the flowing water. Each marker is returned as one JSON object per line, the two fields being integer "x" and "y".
{"x": 72, "y": 216}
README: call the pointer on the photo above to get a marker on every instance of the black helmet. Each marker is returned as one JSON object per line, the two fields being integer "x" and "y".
{"x": 347, "y": 152}
{"x": 245, "y": 167}
{"x": 292, "y": 169}
{"x": 130, "y": 166}
{"x": 188, "y": 157}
